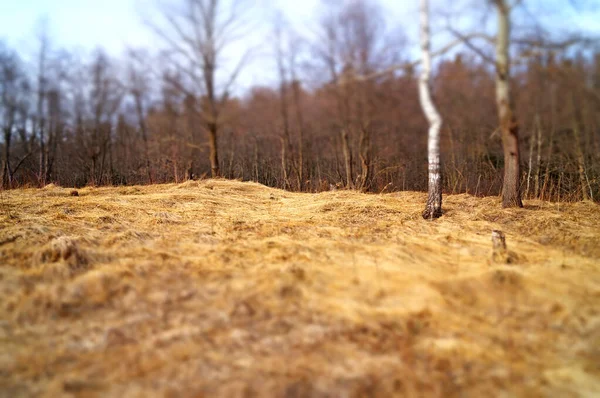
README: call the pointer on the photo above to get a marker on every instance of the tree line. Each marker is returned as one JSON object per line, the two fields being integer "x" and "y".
{"x": 345, "y": 111}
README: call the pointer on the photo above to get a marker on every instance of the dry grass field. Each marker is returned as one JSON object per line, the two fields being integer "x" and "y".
{"x": 228, "y": 289}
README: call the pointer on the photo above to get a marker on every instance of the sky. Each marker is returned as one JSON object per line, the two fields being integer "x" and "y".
{"x": 118, "y": 24}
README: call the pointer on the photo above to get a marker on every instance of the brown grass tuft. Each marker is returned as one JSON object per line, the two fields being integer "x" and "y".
{"x": 64, "y": 250}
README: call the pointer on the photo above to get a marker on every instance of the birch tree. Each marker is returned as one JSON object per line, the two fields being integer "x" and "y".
{"x": 433, "y": 208}
{"x": 511, "y": 193}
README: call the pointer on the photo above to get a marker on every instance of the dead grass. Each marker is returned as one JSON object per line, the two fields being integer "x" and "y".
{"x": 223, "y": 288}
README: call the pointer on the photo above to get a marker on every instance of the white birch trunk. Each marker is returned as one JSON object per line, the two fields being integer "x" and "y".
{"x": 433, "y": 208}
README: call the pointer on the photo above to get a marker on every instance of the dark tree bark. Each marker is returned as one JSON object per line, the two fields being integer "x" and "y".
{"x": 214, "y": 155}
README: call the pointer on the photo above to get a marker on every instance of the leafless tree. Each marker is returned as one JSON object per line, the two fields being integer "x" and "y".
{"x": 351, "y": 45}
{"x": 104, "y": 96}
{"x": 433, "y": 208}
{"x": 293, "y": 51}
{"x": 196, "y": 33}
{"x": 286, "y": 143}
{"x": 511, "y": 192}
{"x": 138, "y": 86}
{"x": 42, "y": 91}
{"x": 13, "y": 89}
{"x": 535, "y": 41}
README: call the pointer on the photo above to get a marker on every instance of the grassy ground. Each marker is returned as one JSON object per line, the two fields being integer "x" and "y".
{"x": 223, "y": 288}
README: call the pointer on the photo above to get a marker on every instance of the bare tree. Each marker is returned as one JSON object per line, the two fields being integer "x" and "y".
{"x": 197, "y": 33}
{"x": 55, "y": 127}
{"x": 511, "y": 192}
{"x": 9, "y": 77}
{"x": 286, "y": 143}
{"x": 330, "y": 55}
{"x": 139, "y": 90}
{"x": 352, "y": 44}
{"x": 433, "y": 208}
{"x": 529, "y": 45}
{"x": 42, "y": 91}
{"x": 509, "y": 128}
{"x": 104, "y": 98}
{"x": 51, "y": 75}
{"x": 14, "y": 95}
{"x": 297, "y": 104}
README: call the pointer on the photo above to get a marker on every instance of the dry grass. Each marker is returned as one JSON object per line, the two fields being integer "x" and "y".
{"x": 222, "y": 288}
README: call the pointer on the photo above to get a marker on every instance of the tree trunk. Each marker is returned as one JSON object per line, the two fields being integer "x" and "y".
{"x": 93, "y": 170}
{"x": 142, "y": 124}
{"x": 433, "y": 208}
{"x": 538, "y": 161}
{"x": 300, "y": 121}
{"x": 231, "y": 157}
{"x": 543, "y": 196}
{"x": 365, "y": 159}
{"x": 530, "y": 164}
{"x": 577, "y": 124}
{"x": 42, "y": 162}
{"x": 283, "y": 163}
{"x": 6, "y": 171}
{"x": 511, "y": 194}
{"x": 255, "y": 160}
{"x": 347, "y": 158}
{"x": 214, "y": 157}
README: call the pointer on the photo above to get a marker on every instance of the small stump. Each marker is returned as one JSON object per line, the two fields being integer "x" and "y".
{"x": 500, "y": 253}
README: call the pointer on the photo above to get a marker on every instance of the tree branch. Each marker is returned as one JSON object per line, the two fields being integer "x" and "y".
{"x": 466, "y": 40}
{"x": 411, "y": 64}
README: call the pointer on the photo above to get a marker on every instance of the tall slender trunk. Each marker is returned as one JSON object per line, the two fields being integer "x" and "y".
{"x": 51, "y": 149}
{"x": 433, "y": 207}
{"x": 141, "y": 122}
{"x": 538, "y": 160}
{"x": 365, "y": 159}
{"x": 284, "y": 164}
{"x": 42, "y": 162}
{"x": 214, "y": 158}
{"x": 530, "y": 163}
{"x": 286, "y": 144}
{"x": 347, "y": 158}
{"x": 553, "y": 111}
{"x": 577, "y": 125}
{"x": 94, "y": 160}
{"x": 255, "y": 161}
{"x": 511, "y": 193}
{"x": 231, "y": 172}
{"x": 300, "y": 121}
{"x": 6, "y": 171}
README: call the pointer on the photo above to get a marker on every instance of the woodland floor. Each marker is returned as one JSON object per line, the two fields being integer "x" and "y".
{"x": 228, "y": 289}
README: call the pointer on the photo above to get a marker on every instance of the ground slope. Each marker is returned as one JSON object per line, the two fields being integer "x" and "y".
{"x": 223, "y": 288}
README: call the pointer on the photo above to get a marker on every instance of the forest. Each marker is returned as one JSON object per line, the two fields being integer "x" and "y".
{"x": 345, "y": 112}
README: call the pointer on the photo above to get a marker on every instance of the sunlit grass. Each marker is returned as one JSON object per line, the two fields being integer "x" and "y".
{"x": 223, "y": 288}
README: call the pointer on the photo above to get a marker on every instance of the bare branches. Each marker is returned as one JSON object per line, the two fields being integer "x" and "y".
{"x": 468, "y": 41}
{"x": 198, "y": 33}
{"x": 233, "y": 77}
{"x": 411, "y": 64}
{"x": 545, "y": 44}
